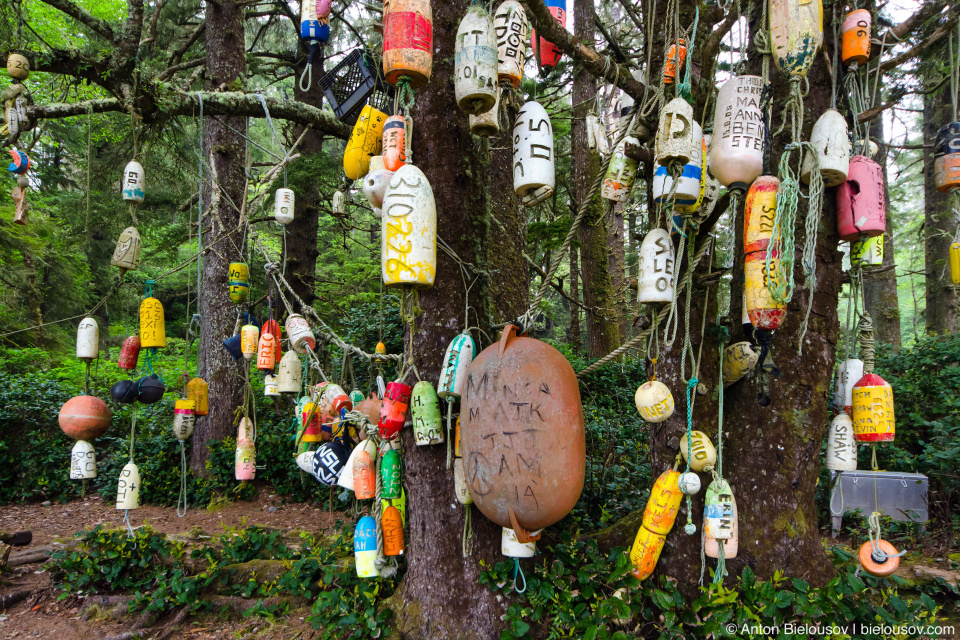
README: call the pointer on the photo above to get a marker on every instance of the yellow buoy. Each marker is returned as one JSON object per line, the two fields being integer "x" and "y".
{"x": 153, "y": 330}
{"x": 365, "y": 142}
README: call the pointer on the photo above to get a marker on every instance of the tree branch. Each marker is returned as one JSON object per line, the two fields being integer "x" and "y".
{"x": 923, "y": 44}
{"x": 189, "y": 64}
{"x": 179, "y": 53}
{"x": 78, "y": 13}
{"x": 927, "y": 10}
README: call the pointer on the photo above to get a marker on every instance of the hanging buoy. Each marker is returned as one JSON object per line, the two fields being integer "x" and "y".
{"x": 83, "y": 461}
{"x": 513, "y": 548}
{"x": 330, "y": 462}
{"x": 655, "y": 283}
{"x": 731, "y": 545}
{"x": 364, "y": 470}
{"x": 249, "y": 336}
{"x": 460, "y": 488}
{"x": 654, "y": 401}
{"x": 394, "y": 143}
{"x": 20, "y": 164}
{"x": 620, "y": 173}
{"x": 124, "y": 392}
{"x": 408, "y": 239}
{"x": 425, "y": 412}
{"x": 861, "y": 201}
{"x": 153, "y": 329}
{"x": 738, "y": 360}
{"x": 867, "y": 252}
{"x": 658, "y": 518}
{"x": 955, "y": 262}
{"x": 736, "y": 150}
{"x": 855, "y": 46}
{"x": 334, "y": 400}
{"x": 393, "y": 412}
{"x": 365, "y": 142}
{"x": 283, "y": 206}
{"x": 133, "y": 182}
{"x": 356, "y": 397}
{"x": 273, "y": 328}
{"x": 270, "y": 387}
{"x": 946, "y": 157}
{"x": 198, "y": 391}
{"x": 84, "y": 417}
{"x": 376, "y": 181}
{"x": 841, "y": 445}
{"x": 245, "y": 460}
{"x": 676, "y": 56}
{"x": 880, "y": 565}
{"x": 475, "y": 56}
{"x": 765, "y": 312}
{"x": 18, "y": 66}
{"x": 831, "y": 143}
{"x": 391, "y": 475}
{"x": 848, "y": 374}
{"x": 309, "y": 421}
{"x": 239, "y": 282}
{"x": 487, "y": 125}
{"x": 534, "y": 175}
{"x": 457, "y": 358}
{"x": 338, "y": 204}
{"x": 510, "y": 24}
{"x": 689, "y": 483}
{"x": 796, "y": 33}
{"x": 346, "y": 478}
{"x": 392, "y": 526}
{"x": 234, "y": 346}
{"x": 128, "y": 487}
{"x": 407, "y": 41}
{"x": 291, "y": 374}
{"x": 365, "y": 538}
{"x": 184, "y": 419}
{"x": 704, "y": 455}
{"x": 299, "y": 334}
{"x": 759, "y": 213}
{"x": 126, "y": 255}
{"x": 718, "y": 511}
{"x": 873, "y": 417}
{"x": 150, "y": 389}
{"x": 550, "y": 53}
{"x": 522, "y": 386}
{"x": 314, "y": 27}
{"x": 266, "y": 352}
{"x": 675, "y": 140}
{"x": 88, "y": 340}
{"x": 690, "y": 185}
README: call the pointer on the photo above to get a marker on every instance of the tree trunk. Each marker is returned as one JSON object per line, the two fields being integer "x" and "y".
{"x": 32, "y": 297}
{"x": 575, "y": 339}
{"x": 224, "y": 151}
{"x": 618, "y": 264}
{"x": 940, "y": 224}
{"x": 440, "y": 596}
{"x": 599, "y": 293}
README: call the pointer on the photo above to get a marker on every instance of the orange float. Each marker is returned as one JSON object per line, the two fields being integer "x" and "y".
{"x": 408, "y": 41}
{"x": 84, "y": 417}
{"x": 882, "y": 567}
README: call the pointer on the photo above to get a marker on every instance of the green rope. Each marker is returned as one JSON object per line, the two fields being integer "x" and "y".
{"x": 780, "y": 281}
{"x": 690, "y": 528}
{"x": 517, "y": 571}
{"x": 683, "y": 88}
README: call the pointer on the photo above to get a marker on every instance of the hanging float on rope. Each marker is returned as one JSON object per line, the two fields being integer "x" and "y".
{"x": 245, "y": 460}
{"x": 18, "y": 66}
{"x": 654, "y": 401}
{"x": 946, "y": 157}
{"x": 299, "y": 334}
{"x": 690, "y": 185}
{"x": 475, "y": 56}
{"x": 549, "y": 53}
{"x": 364, "y": 470}
{"x": 673, "y": 63}
{"x": 376, "y": 181}
{"x": 621, "y": 172}
{"x": 658, "y": 518}
{"x": 83, "y": 461}
{"x": 126, "y": 255}
{"x": 129, "y": 353}
{"x": 20, "y": 164}
{"x": 333, "y": 401}
{"x": 867, "y": 252}
{"x": 407, "y": 41}
{"x": 721, "y": 521}
{"x": 393, "y": 411}
{"x": 539, "y": 382}
{"x": 676, "y": 140}
{"x": 487, "y": 125}
{"x": 879, "y": 558}
{"x": 365, "y": 142}
{"x": 133, "y": 180}
{"x": 855, "y": 39}
{"x": 704, "y": 455}
{"x": 394, "y": 144}
{"x": 425, "y": 413}
{"x": 796, "y": 33}
{"x": 84, "y": 417}
{"x": 270, "y": 386}
{"x": 759, "y": 213}
{"x": 309, "y": 421}
{"x": 365, "y": 546}
{"x": 513, "y": 548}
{"x": 873, "y": 416}
{"x": 955, "y": 262}
{"x": 534, "y": 174}
{"x": 291, "y": 374}
{"x": 830, "y": 141}
{"x": 861, "y": 202}
{"x": 510, "y": 26}
{"x": 239, "y": 282}
{"x": 128, "y": 488}
{"x": 199, "y": 392}
{"x": 329, "y": 462}
{"x": 689, "y": 483}
{"x": 460, "y": 488}
{"x": 408, "y": 245}
{"x": 736, "y": 150}
{"x": 391, "y": 475}
{"x": 848, "y": 374}
{"x": 124, "y": 391}
{"x": 88, "y": 340}
{"x": 346, "y": 478}
{"x": 841, "y": 444}
{"x": 760, "y": 208}
{"x": 657, "y": 264}
{"x": 266, "y": 352}
{"x": 392, "y": 525}
{"x": 456, "y": 360}
{"x": 739, "y": 359}
{"x": 314, "y": 28}
{"x": 249, "y": 337}
{"x": 150, "y": 389}
{"x": 184, "y": 419}
{"x": 283, "y": 206}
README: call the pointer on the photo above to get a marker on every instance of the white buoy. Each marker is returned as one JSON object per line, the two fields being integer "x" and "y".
{"x": 510, "y": 28}
{"x": 841, "y": 445}
{"x": 675, "y": 140}
{"x": 736, "y": 150}
{"x": 83, "y": 461}
{"x": 283, "y": 206}
{"x": 88, "y": 339}
{"x": 655, "y": 283}
{"x": 534, "y": 175}
{"x": 831, "y": 144}
{"x": 408, "y": 242}
{"x": 128, "y": 488}
{"x": 475, "y": 55}
{"x": 133, "y": 182}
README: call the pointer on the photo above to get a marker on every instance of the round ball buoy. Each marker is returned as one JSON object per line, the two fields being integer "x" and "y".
{"x": 391, "y": 475}
{"x": 133, "y": 182}
{"x": 867, "y": 252}
{"x": 861, "y": 201}
{"x": 88, "y": 340}
{"x": 249, "y": 337}
{"x": 946, "y": 158}
{"x": 704, "y": 455}
{"x": 356, "y": 397}
{"x": 676, "y": 56}
{"x": 392, "y": 526}
{"x": 84, "y": 417}
{"x": 394, "y": 144}
{"x": 376, "y": 181}
{"x": 475, "y": 57}
{"x": 126, "y": 255}
{"x": 393, "y": 411}
{"x": 736, "y": 150}
{"x": 266, "y": 352}
{"x": 299, "y": 334}
{"x": 283, "y": 206}
{"x": 738, "y": 360}
{"x": 658, "y": 518}
{"x": 270, "y": 388}
{"x": 873, "y": 417}
{"x": 510, "y": 27}
{"x": 198, "y": 391}
{"x": 841, "y": 445}
{"x": 549, "y": 53}
{"x": 621, "y": 172}
{"x": 153, "y": 329}
{"x": 128, "y": 487}
{"x": 83, "y": 461}
{"x": 657, "y": 263}
{"x": 239, "y": 282}
{"x": 124, "y": 391}
{"x": 690, "y": 185}
{"x": 150, "y": 389}
{"x": 407, "y": 41}
{"x": 689, "y": 483}
{"x": 654, "y": 401}
{"x": 796, "y": 33}
{"x": 364, "y": 471}
{"x": 759, "y": 212}
{"x": 245, "y": 459}
{"x": 290, "y": 378}
{"x": 881, "y": 565}
{"x": 365, "y": 542}
{"x": 460, "y": 488}
{"x": 20, "y": 164}
{"x": 487, "y": 124}
{"x": 718, "y": 519}
{"x": 513, "y": 548}
{"x": 731, "y": 544}
{"x": 330, "y": 461}
{"x": 425, "y": 414}
{"x": 855, "y": 43}
{"x": 534, "y": 173}
{"x": 184, "y": 419}
{"x": 456, "y": 359}
{"x": 18, "y": 66}
{"x": 675, "y": 141}
{"x": 365, "y": 141}
{"x": 848, "y": 374}
{"x": 408, "y": 239}
{"x": 955, "y": 262}
{"x": 522, "y": 386}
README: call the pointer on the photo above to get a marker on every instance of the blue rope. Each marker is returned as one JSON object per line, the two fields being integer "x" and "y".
{"x": 518, "y": 571}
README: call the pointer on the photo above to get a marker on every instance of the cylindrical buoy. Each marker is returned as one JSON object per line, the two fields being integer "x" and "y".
{"x": 83, "y": 461}
{"x": 245, "y": 460}
{"x": 365, "y": 542}
{"x": 394, "y": 143}
{"x": 765, "y": 312}
{"x": 299, "y": 334}
{"x": 291, "y": 374}
{"x": 654, "y": 401}
{"x": 690, "y": 184}
{"x": 153, "y": 329}
{"x": 657, "y": 264}
{"x": 856, "y": 37}
{"x": 534, "y": 174}
{"x": 392, "y": 526}
{"x": 736, "y": 150}
{"x": 88, "y": 339}
{"x": 848, "y": 374}
{"x": 199, "y": 392}
{"x": 550, "y": 53}
{"x": 283, "y": 206}
{"x": 273, "y": 328}
{"x": 183, "y": 418}
{"x": 364, "y": 471}
{"x": 841, "y": 445}
{"x": 365, "y": 142}
{"x": 946, "y": 158}
{"x": 332, "y": 400}
{"x": 873, "y": 417}
{"x": 84, "y": 417}
{"x": 675, "y": 140}
{"x": 513, "y": 548}
{"x": 704, "y": 455}
{"x": 133, "y": 182}
{"x": 475, "y": 57}
{"x": 673, "y": 62}
{"x": 128, "y": 487}
{"x": 270, "y": 387}
{"x": 310, "y": 420}
{"x": 425, "y": 413}
{"x": 738, "y": 360}
{"x": 460, "y": 488}
{"x": 129, "y": 353}
{"x": 718, "y": 511}
{"x": 867, "y": 252}
{"x": 487, "y": 125}
{"x": 861, "y": 201}
{"x": 393, "y": 412}
{"x": 658, "y": 518}
{"x": 126, "y": 255}
{"x": 881, "y": 565}
{"x": 266, "y": 352}
{"x": 620, "y": 173}
{"x": 408, "y": 242}
{"x": 249, "y": 337}
{"x": 346, "y": 478}
{"x": 510, "y": 25}
{"x": 391, "y": 475}
{"x": 955, "y": 262}
{"x": 408, "y": 41}
{"x": 239, "y": 282}
{"x": 731, "y": 545}
{"x": 453, "y": 373}
{"x": 18, "y": 66}
{"x": 796, "y": 33}
{"x": 759, "y": 214}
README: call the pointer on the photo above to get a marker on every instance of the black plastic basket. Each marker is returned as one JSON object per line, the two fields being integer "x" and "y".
{"x": 349, "y": 86}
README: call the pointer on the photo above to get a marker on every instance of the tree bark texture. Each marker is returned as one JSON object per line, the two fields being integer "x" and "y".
{"x": 575, "y": 338}
{"x": 224, "y": 151}
{"x": 616, "y": 230}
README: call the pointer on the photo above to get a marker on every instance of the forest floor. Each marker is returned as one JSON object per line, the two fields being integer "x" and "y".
{"x": 42, "y": 616}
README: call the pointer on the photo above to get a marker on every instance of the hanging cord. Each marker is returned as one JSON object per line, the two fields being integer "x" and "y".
{"x": 867, "y": 342}
{"x": 467, "y": 542}
{"x": 683, "y": 88}
{"x": 808, "y": 259}
{"x": 182, "y": 496}
{"x": 518, "y": 572}
{"x": 781, "y": 247}
{"x": 133, "y": 431}
{"x": 878, "y": 555}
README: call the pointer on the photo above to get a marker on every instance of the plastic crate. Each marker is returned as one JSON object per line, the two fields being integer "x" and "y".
{"x": 349, "y": 86}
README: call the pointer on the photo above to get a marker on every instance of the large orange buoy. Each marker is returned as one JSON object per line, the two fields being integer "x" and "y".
{"x": 856, "y": 37}
{"x": 523, "y": 442}
{"x": 882, "y": 564}
{"x": 408, "y": 41}
{"x": 273, "y": 328}
{"x": 392, "y": 532}
{"x": 84, "y": 417}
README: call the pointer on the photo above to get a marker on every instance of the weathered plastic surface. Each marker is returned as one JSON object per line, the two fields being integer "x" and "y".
{"x": 759, "y": 213}
{"x": 832, "y": 146}
{"x": 85, "y": 417}
{"x": 861, "y": 201}
{"x": 873, "y": 416}
{"x": 408, "y": 41}
{"x": 796, "y": 32}
{"x": 522, "y": 432}
{"x": 855, "y": 45}
{"x": 153, "y": 329}
{"x": 736, "y": 150}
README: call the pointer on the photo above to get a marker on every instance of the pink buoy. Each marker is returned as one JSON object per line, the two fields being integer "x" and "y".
{"x": 861, "y": 201}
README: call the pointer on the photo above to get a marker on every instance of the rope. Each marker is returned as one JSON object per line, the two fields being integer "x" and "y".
{"x": 182, "y": 496}
{"x": 467, "y": 542}
{"x": 837, "y": 488}
{"x": 867, "y": 342}
{"x": 808, "y": 259}
{"x": 780, "y": 281}
{"x": 517, "y": 571}
{"x": 683, "y": 88}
